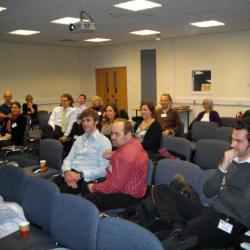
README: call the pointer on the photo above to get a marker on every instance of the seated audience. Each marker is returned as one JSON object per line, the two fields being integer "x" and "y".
{"x": 148, "y": 131}
{"x": 227, "y": 218}
{"x": 124, "y": 114}
{"x": 125, "y": 182}
{"x": 110, "y": 114}
{"x": 5, "y": 110}
{"x": 246, "y": 113}
{"x": 61, "y": 122}
{"x": 168, "y": 117}
{"x": 97, "y": 104}
{"x": 208, "y": 115}
{"x": 13, "y": 130}
{"x": 80, "y": 107}
{"x": 85, "y": 162}
{"x": 30, "y": 109}
{"x": 77, "y": 127}
{"x": 240, "y": 116}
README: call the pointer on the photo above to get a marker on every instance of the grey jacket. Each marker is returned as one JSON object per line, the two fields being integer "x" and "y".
{"x": 234, "y": 197}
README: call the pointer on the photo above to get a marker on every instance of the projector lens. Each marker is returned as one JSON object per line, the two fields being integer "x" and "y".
{"x": 71, "y": 27}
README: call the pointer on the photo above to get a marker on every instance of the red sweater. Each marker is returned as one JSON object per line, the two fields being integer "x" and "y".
{"x": 129, "y": 171}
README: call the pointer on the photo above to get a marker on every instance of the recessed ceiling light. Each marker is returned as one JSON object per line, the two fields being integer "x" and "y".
{"x": 24, "y": 32}
{"x": 137, "y": 5}
{"x": 66, "y": 20}
{"x": 207, "y": 24}
{"x": 2, "y": 8}
{"x": 145, "y": 32}
{"x": 97, "y": 40}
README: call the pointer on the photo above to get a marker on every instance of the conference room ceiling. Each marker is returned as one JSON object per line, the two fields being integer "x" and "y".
{"x": 172, "y": 20}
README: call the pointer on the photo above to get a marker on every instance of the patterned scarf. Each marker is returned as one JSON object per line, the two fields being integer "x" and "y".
{"x": 10, "y": 122}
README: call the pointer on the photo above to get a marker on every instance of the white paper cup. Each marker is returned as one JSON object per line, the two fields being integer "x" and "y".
{"x": 24, "y": 228}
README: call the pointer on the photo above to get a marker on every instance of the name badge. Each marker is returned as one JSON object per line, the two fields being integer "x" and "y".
{"x": 163, "y": 115}
{"x": 225, "y": 226}
{"x": 13, "y": 125}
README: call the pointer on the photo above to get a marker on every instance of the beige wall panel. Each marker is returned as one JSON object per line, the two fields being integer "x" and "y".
{"x": 226, "y": 54}
{"x": 43, "y": 71}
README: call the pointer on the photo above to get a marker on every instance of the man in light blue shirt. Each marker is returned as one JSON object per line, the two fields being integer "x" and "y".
{"x": 80, "y": 107}
{"x": 85, "y": 162}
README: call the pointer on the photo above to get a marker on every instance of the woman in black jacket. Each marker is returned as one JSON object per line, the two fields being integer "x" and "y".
{"x": 148, "y": 131}
{"x": 14, "y": 128}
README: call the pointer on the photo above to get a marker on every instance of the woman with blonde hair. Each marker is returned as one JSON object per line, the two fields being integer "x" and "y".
{"x": 97, "y": 104}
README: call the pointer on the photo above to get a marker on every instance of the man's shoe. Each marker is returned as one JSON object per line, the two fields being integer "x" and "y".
{"x": 177, "y": 241}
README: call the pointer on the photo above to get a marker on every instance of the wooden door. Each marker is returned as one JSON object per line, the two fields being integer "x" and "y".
{"x": 111, "y": 86}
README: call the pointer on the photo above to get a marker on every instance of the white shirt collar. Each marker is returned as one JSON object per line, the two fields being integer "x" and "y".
{"x": 65, "y": 108}
{"x": 236, "y": 159}
{"x": 94, "y": 135}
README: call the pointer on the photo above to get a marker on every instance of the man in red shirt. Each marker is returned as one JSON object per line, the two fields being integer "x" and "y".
{"x": 125, "y": 182}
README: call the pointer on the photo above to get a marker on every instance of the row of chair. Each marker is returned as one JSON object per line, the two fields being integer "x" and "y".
{"x": 207, "y": 153}
{"x": 206, "y": 146}
{"x": 43, "y": 117}
{"x": 200, "y": 130}
{"x": 65, "y": 220}
{"x": 167, "y": 168}
{"x": 227, "y": 121}
{"x": 164, "y": 172}
{"x": 50, "y": 150}
{"x": 35, "y": 133}
{"x": 210, "y": 130}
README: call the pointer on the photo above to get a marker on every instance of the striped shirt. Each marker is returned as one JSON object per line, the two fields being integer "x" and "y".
{"x": 128, "y": 173}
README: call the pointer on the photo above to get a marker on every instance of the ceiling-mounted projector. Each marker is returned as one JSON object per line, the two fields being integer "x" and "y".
{"x": 82, "y": 26}
{"x": 86, "y": 23}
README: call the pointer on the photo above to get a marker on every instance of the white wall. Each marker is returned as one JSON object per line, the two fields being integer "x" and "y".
{"x": 226, "y": 54}
{"x": 85, "y": 85}
{"x": 46, "y": 72}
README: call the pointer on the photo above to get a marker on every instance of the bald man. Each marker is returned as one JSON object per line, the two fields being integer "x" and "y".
{"x": 5, "y": 111}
